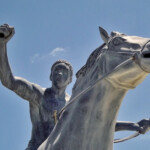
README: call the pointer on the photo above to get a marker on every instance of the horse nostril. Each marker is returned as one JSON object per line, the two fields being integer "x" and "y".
{"x": 146, "y": 55}
{"x": 2, "y": 35}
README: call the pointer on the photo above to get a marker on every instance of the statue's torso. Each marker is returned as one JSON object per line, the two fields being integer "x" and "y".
{"x": 43, "y": 117}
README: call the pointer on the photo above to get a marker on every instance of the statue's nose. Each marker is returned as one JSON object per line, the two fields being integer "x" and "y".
{"x": 60, "y": 74}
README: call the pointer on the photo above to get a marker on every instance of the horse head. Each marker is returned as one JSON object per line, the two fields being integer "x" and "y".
{"x": 125, "y": 57}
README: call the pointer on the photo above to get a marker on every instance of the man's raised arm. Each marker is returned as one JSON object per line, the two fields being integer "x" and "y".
{"x": 20, "y": 86}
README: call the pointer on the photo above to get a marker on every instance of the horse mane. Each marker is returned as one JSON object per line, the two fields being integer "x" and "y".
{"x": 90, "y": 61}
{"x": 92, "y": 58}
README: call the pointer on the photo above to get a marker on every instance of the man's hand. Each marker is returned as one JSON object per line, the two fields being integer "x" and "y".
{"x": 144, "y": 125}
{"x": 6, "y": 33}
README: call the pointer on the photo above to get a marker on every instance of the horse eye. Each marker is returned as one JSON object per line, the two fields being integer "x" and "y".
{"x": 117, "y": 41}
{"x": 135, "y": 46}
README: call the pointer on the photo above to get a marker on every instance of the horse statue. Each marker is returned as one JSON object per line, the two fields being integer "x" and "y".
{"x": 88, "y": 121}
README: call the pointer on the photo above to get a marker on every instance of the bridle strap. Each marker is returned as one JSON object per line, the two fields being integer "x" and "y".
{"x": 127, "y": 138}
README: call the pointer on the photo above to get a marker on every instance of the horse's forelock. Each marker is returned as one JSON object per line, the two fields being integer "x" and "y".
{"x": 115, "y": 33}
{"x": 92, "y": 58}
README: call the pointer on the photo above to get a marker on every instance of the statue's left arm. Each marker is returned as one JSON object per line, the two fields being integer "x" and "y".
{"x": 142, "y": 126}
{"x": 126, "y": 125}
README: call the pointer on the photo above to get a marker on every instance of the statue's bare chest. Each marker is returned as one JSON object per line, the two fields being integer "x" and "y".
{"x": 50, "y": 106}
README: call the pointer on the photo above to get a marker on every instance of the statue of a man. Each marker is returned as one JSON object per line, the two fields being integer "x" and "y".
{"x": 44, "y": 103}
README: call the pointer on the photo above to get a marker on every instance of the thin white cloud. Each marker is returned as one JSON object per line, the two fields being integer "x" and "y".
{"x": 56, "y": 51}
{"x": 35, "y": 57}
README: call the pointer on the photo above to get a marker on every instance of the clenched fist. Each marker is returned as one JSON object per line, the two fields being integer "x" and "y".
{"x": 6, "y": 33}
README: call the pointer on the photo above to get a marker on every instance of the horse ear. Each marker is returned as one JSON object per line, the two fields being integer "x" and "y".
{"x": 104, "y": 35}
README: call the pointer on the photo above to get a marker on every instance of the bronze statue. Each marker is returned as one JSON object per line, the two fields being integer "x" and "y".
{"x": 45, "y": 103}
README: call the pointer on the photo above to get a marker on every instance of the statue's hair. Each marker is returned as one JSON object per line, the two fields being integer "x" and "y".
{"x": 65, "y": 62}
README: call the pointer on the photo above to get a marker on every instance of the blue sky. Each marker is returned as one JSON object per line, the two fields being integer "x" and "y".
{"x": 48, "y": 30}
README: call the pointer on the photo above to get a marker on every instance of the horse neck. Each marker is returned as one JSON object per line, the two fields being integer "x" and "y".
{"x": 106, "y": 98}
{"x": 102, "y": 104}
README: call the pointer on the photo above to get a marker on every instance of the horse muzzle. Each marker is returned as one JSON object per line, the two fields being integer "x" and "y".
{"x": 143, "y": 58}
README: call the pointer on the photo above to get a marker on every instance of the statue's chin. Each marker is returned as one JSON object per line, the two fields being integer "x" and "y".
{"x": 58, "y": 85}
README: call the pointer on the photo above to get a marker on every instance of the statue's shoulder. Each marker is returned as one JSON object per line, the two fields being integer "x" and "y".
{"x": 48, "y": 91}
{"x": 39, "y": 88}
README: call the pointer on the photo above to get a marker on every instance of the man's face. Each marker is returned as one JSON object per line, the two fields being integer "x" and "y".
{"x": 60, "y": 75}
